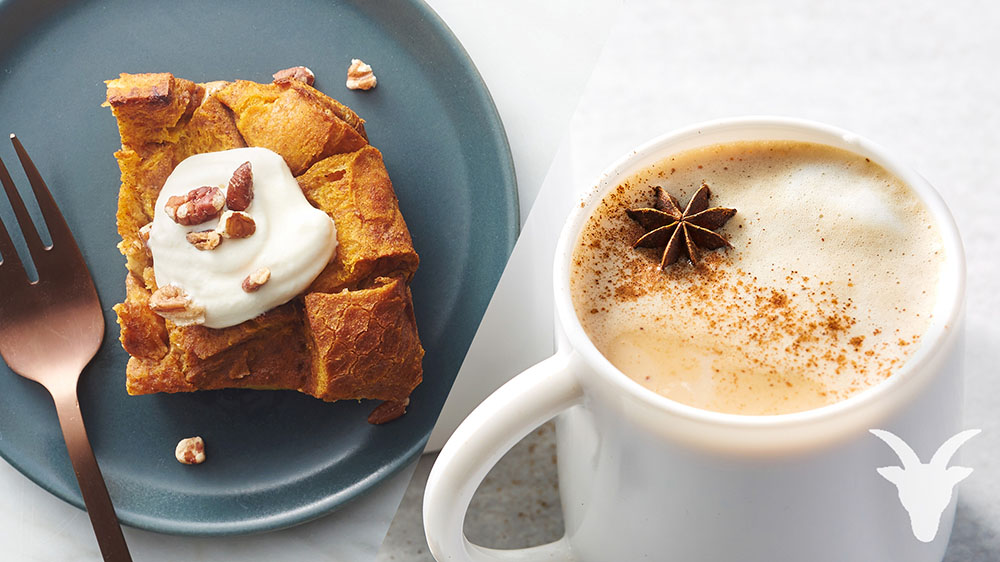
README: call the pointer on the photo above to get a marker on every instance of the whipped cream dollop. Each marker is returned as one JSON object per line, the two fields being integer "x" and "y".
{"x": 293, "y": 239}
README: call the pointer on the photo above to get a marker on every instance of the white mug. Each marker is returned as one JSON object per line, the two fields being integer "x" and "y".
{"x": 642, "y": 477}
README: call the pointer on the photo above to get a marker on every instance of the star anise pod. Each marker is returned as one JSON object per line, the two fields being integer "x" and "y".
{"x": 681, "y": 232}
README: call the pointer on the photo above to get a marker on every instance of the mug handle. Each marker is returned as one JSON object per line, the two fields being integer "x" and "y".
{"x": 516, "y": 409}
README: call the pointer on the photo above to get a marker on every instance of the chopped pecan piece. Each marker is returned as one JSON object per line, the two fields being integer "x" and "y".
{"x": 300, "y": 73}
{"x": 360, "y": 76}
{"x": 204, "y": 240}
{"x": 144, "y": 237}
{"x": 190, "y": 450}
{"x": 256, "y": 279}
{"x": 236, "y": 224}
{"x": 172, "y": 303}
{"x": 144, "y": 232}
{"x": 388, "y": 411}
{"x": 195, "y": 207}
{"x": 240, "y": 191}
{"x": 212, "y": 87}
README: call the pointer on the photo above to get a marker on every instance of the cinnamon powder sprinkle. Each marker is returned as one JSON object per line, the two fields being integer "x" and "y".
{"x": 795, "y": 327}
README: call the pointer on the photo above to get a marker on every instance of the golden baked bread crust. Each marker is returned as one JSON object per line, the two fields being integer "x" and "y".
{"x": 352, "y": 334}
{"x": 364, "y": 339}
{"x": 293, "y": 119}
{"x": 355, "y": 190}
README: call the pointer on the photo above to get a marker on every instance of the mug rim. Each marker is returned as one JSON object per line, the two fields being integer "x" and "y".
{"x": 947, "y": 309}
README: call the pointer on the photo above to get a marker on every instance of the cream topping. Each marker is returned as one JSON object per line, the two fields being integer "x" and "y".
{"x": 293, "y": 239}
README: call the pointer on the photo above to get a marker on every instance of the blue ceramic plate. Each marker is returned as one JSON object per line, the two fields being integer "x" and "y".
{"x": 274, "y": 458}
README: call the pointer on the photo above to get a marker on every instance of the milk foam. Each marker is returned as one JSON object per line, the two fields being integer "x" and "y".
{"x": 829, "y": 285}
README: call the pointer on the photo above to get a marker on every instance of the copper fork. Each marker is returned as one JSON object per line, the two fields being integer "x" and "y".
{"x": 50, "y": 329}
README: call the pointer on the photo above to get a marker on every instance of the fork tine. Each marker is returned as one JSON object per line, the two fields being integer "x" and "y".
{"x": 58, "y": 229}
{"x": 10, "y": 263}
{"x": 34, "y": 242}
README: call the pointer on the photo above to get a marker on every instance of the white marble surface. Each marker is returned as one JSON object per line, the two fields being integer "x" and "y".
{"x": 38, "y": 527}
{"x": 918, "y": 77}
{"x": 535, "y": 58}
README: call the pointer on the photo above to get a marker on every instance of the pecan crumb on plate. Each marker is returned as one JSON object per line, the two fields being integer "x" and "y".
{"x": 360, "y": 76}
{"x": 190, "y": 450}
{"x": 300, "y": 73}
{"x": 388, "y": 411}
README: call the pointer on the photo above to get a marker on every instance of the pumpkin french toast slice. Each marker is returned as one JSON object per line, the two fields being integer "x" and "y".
{"x": 352, "y": 333}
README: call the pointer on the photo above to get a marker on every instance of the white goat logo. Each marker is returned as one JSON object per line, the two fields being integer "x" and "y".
{"x": 925, "y": 489}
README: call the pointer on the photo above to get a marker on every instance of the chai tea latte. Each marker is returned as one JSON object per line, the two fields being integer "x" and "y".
{"x": 826, "y": 289}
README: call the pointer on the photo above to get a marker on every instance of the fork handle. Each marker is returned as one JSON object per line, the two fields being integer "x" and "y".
{"x": 88, "y": 475}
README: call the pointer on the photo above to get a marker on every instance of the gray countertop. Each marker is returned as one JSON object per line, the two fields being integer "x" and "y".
{"x": 517, "y": 504}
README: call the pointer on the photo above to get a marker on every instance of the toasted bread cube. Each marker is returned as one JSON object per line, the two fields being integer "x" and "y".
{"x": 364, "y": 343}
{"x": 372, "y": 238}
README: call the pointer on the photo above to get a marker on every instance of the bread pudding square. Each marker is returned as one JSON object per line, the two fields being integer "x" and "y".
{"x": 352, "y": 333}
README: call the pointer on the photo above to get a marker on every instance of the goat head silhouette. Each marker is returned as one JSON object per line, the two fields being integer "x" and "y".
{"x": 925, "y": 489}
